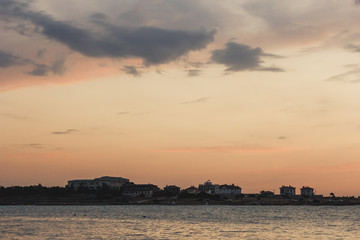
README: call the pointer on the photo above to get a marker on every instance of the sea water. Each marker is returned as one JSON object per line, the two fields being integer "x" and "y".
{"x": 179, "y": 222}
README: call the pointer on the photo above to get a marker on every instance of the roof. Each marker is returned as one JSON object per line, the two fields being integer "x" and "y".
{"x": 287, "y": 187}
{"x": 171, "y": 186}
{"x": 81, "y": 180}
{"x": 140, "y": 187}
{"x": 225, "y": 186}
{"x": 112, "y": 178}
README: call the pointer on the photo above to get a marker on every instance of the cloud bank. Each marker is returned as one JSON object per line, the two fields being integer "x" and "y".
{"x": 154, "y": 45}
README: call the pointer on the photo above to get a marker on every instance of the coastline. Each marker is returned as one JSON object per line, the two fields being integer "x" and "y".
{"x": 91, "y": 199}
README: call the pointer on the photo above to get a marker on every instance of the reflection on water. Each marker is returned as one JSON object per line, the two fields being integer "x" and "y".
{"x": 179, "y": 222}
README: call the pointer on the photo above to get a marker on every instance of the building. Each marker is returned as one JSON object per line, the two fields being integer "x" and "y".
{"x": 134, "y": 190}
{"x": 83, "y": 183}
{"x": 228, "y": 190}
{"x": 288, "y": 191}
{"x": 172, "y": 189}
{"x": 307, "y": 191}
{"x": 113, "y": 183}
{"x": 267, "y": 193}
{"x": 192, "y": 190}
{"x": 208, "y": 187}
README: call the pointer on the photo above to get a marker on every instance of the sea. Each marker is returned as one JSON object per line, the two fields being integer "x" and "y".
{"x": 179, "y": 222}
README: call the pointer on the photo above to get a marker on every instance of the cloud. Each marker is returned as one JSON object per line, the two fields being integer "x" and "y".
{"x": 9, "y": 60}
{"x": 227, "y": 149}
{"x": 98, "y": 16}
{"x": 131, "y": 70}
{"x": 132, "y": 113}
{"x": 57, "y": 68}
{"x": 184, "y": 14}
{"x": 32, "y": 145}
{"x": 14, "y": 116}
{"x": 352, "y": 76}
{"x": 199, "y": 100}
{"x": 193, "y": 72}
{"x": 123, "y": 113}
{"x": 353, "y": 48}
{"x": 154, "y": 45}
{"x": 39, "y": 70}
{"x": 68, "y": 131}
{"x": 40, "y": 54}
{"x": 241, "y": 57}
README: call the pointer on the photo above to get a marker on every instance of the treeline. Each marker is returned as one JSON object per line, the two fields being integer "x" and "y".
{"x": 51, "y": 191}
{"x": 33, "y": 190}
{"x": 101, "y": 192}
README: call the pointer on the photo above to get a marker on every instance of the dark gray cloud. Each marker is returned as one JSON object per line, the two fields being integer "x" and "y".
{"x": 241, "y": 57}
{"x": 193, "y": 72}
{"x": 68, "y": 131}
{"x": 9, "y": 60}
{"x": 153, "y": 45}
{"x": 131, "y": 70}
{"x": 40, "y": 70}
{"x": 58, "y": 67}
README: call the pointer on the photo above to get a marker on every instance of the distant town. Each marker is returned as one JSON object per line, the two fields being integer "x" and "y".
{"x": 131, "y": 189}
{"x": 108, "y": 190}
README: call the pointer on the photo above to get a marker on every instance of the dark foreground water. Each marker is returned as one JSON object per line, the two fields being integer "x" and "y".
{"x": 179, "y": 222}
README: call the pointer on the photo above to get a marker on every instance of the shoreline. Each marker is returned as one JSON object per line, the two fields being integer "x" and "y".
{"x": 90, "y": 200}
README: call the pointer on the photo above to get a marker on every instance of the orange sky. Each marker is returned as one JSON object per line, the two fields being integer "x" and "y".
{"x": 259, "y": 93}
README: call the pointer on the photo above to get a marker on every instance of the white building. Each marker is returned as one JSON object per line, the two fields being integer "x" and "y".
{"x": 208, "y": 187}
{"x": 229, "y": 190}
{"x": 287, "y": 191}
{"x": 225, "y": 189}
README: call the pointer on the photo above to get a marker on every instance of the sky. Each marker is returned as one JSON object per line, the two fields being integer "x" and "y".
{"x": 259, "y": 93}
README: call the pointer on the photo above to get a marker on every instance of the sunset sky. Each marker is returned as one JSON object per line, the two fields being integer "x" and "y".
{"x": 259, "y": 93}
